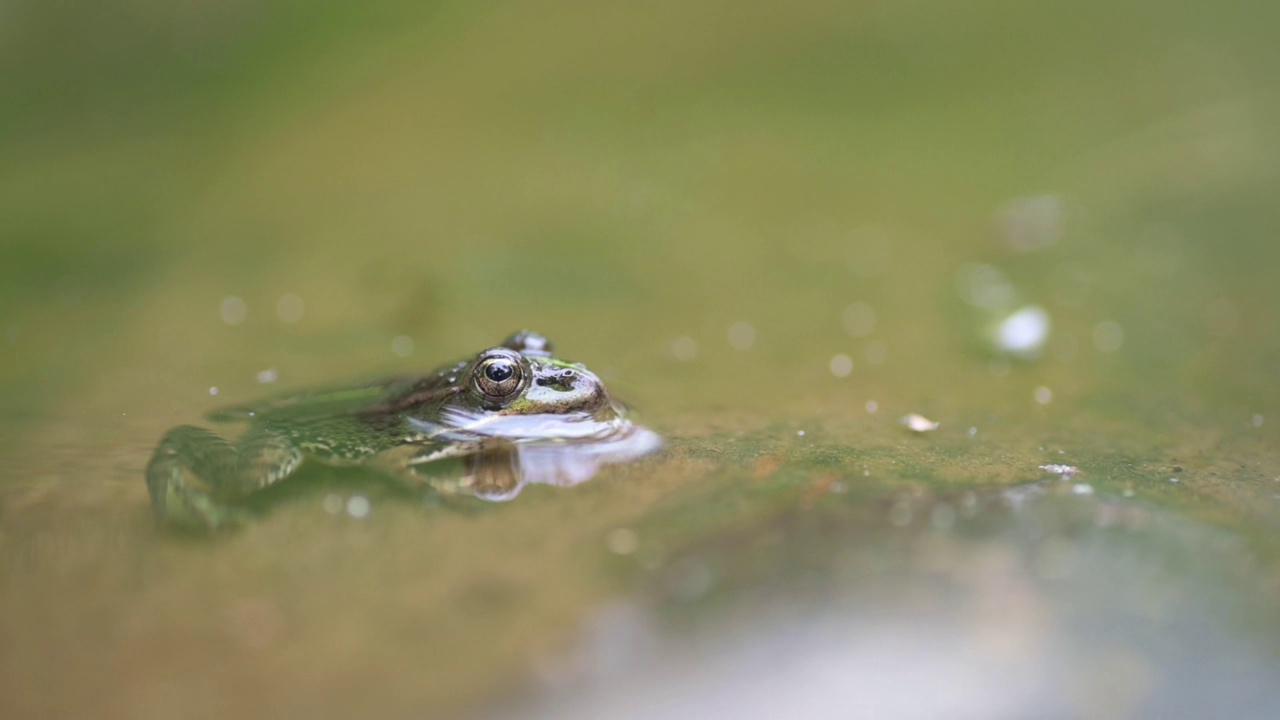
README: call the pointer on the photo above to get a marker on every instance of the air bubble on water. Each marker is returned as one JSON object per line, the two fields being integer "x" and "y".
{"x": 800, "y": 433}
{"x": 984, "y": 286}
{"x": 289, "y": 308}
{"x": 859, "y": 319}
{"x": 332, "y": 504}
{"x": 872, "y": 406}
{"x": 687, "y": 579}
{"x": 622, "y": 541}
{"x": 358, "y": 506}
{"x": 233, "y": 310}
{"x": 402, "y": 345}
{"x": 973, "y": 431}
{"x": 1108, "y": 336}
{"x": 841, "y": 365}
{"x": 213, "y": 391}
{"x": 1043, "y": 395}
{"x": 1023, "y": 332}
{"x": 684, "y": 348}
{"x": 741, "y": 336}
{"x": 1034, "y": 222}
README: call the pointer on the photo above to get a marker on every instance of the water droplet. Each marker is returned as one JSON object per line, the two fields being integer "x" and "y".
{"x": 688, "y": 579}
{"x": 859, "y": 319}
{"x": 622, "y": 541}
{"x": 900, "y": 514}
{"x": 742, "y": 336}
{"x": 684, "y": 348}
{"x": 1108, "y": 336}
{"x": 1023, "y": 333}
{"x": 290, "y": 308}
{"x": 332, "y": 504}
{"x": 402, "y": 345}
{"x": 358, "y": 506}
{"x": 233, "y": 310}
{"x": 841, "y": 365}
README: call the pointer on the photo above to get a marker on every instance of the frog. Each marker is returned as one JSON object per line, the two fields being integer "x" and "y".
{"x": 508, "y": 416}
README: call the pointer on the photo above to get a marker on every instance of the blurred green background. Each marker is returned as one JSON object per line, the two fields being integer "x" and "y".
{"x": 195, "y": 193}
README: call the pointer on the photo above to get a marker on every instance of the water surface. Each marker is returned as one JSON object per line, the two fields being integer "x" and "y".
{"x": 776, "y": 232}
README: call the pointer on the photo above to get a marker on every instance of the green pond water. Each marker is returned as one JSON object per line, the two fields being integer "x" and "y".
{"x": 776, "y": 229}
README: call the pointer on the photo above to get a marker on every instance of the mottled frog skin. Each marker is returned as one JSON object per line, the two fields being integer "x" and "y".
{"x": 513, "y": 413}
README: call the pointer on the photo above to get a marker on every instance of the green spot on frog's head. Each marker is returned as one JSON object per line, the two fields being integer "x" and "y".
{"x": 520, "y": 377}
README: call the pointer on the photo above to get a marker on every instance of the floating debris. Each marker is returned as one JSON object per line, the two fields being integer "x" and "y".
{"x": 919, "y": 423}
{"x": 1066, "y": 471}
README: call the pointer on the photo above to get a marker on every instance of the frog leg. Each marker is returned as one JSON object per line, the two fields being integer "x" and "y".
{"x": 195, "y": 476}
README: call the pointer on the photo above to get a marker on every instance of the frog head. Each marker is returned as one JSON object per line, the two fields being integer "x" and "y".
{"x": 521, "y": 377}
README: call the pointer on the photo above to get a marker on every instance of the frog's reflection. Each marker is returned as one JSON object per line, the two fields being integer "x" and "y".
{"x": 499, "y": 469}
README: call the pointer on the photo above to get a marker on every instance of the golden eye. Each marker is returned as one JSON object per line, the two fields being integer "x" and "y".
{"x": 499, "y": 377}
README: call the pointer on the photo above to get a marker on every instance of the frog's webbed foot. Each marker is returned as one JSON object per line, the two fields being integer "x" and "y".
{"x": 196, "y": 477}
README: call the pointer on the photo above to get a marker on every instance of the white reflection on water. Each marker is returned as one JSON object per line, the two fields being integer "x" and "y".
{"x": 510, "y": 452}
{"x": 1048, "y": 605}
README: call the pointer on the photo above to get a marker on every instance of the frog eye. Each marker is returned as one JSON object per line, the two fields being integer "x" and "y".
{"x": 499, "y": 377}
